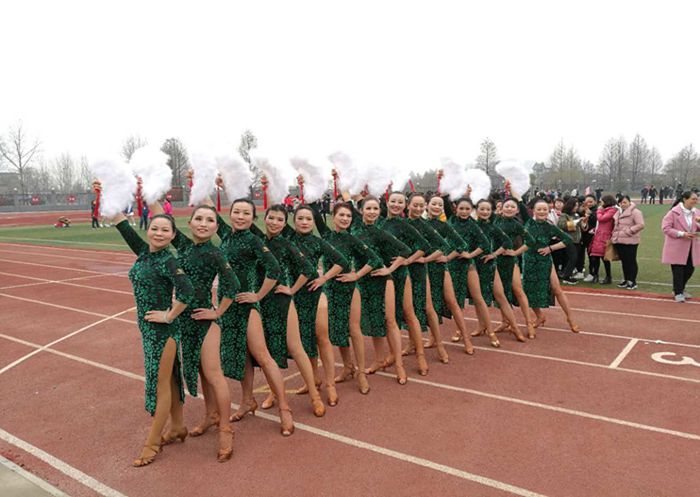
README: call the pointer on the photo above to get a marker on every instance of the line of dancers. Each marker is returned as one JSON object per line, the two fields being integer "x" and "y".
{"x": 285, "y": 293}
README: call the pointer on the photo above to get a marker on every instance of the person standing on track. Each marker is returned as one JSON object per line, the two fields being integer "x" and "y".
{"x": 377, "y": 289}
{"x": 681, "y": 227}
{"x": 200, "y": 334}
{"x": 279, "y": 312}
{"x": 464, "y": 273}
{"x": 153, "y": 276}
{"x": 344, "y": 300}
{"x": 311, "y": 301}
{"x": 540, "y": 280}
{"x": 605, "y": 216}
{"x": 242, "y": 334}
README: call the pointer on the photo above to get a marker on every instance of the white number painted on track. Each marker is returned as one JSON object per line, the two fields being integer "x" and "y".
{"x": 683, "y": 361}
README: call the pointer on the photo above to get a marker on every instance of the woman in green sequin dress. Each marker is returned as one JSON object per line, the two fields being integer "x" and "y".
{"x": 153, "y": 277}
{"x": 457, "y": 246}
{"x": 200, "y": 335}
{"x": 344, "y": 301}
{"x": 406, "y": 313}
{"x": 242, "y": 334}
{"x": 491, "y": 284}
{"x": 508, "y": 266}
{"x": 377, "y": 288}
{"x": 540, "y": 280}
{"x": 464, "y": 272}
{"x": 423, "y": 294}
{"x": 311, "y": 301}
{"x": 279, "y": 313}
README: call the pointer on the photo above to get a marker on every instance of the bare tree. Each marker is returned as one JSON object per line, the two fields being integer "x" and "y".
{"x": 488, "y": 158}
{"x": 638, "y": 159}
{"x": 39, "y": 179}
{"x": 656, "y": 164}
{"x": 64, "y": 173}
{"x": 84, "y": 175}
{"x": 684, "y": 167}
{"x": 249, "y": 142}
{"x": 179, "y": 161}
{"x": 19, "y": 152}
{"x": 132, "y": 144}
{"x": 614, "y": 162}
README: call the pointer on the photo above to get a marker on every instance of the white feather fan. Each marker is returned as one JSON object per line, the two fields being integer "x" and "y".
{"x": 152, "y": 166}
{"x": 236, "y": 176}
{"x": 454, "y": 181}
{"x": 279, "y": 172}
{"x": 118, "y": 185}
{"x": 480, "y": 183}
{"x": 204, "y": 180}
{"x": 517, "y": 173}
{"x": 317, "y": 176}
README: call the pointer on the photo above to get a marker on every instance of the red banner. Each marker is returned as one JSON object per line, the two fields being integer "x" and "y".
{"x": 96, "y": 212}
{"x": 218, "y": 200}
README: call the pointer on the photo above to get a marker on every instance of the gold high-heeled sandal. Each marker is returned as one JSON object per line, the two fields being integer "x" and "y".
{"x": 287, "y": 430}
{"x": 332, "y": 395}
{"x": 494, "y": 340}
{"x": 422, "y": 365}
{"x": 146, "y": 460}
{"x": 225, "y": 453}
{"x": 244, "y": 409}
{"x": 401, "y": 377}
{"x": 211, "y": 419}
{"x": 347, "y": 373}
{"x": 173, "y": 436}
{"x": 268, "y": 402}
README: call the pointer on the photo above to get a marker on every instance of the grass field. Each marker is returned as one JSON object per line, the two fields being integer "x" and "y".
{"x": 653, "y": 276}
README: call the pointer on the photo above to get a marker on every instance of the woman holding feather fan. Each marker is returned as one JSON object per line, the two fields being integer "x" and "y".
{"x": 201, "y": 336}
{"x": 344, "y": 300}
{"x": 242, "y": 332}
{"x": 154, "y": 275}
{"x": 377, "y": 289}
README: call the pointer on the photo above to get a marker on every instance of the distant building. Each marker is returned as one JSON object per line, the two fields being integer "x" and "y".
{"x": 9, "y": 182}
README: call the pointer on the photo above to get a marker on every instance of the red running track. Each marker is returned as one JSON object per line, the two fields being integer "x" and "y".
{"x": 609, "y": 412}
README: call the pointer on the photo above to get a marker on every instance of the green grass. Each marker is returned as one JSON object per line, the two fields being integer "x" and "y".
{"x": 655, "y": 276}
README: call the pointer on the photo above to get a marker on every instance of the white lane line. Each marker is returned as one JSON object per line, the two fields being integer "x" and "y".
{"x": 631, "y": 297}
{"x": 69, "y": 335}
{"x": 45, "y": 486}
{"x": 45, "y": 255}
{"x": 605, "y": 335}
{"x": 68, "y": 281}
{"x": 621, "y": 357}
{"x": 59, "y": 267}
{"x": 62, "y": 249}
{"x": 61, "y": 466}
{"x": 578, "y": 363}
{"x": 563, "y": 410}
{"x": 635, "y": 315}
{"x": 51, "y": 240}
{"x": 57, "y": 306}
{"x": 339, "y": 438}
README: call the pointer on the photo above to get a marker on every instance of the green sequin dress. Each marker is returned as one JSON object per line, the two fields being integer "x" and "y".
{"x": 316, "y": 250}
{"x": 518, "y": 236}
{"x": 275, "y": 306}
{"x": 487, "y": 270}
{"x": 404, "y": 232}
{"x": 474, "y": 238}
{"x": 202, "y": 262}
{"x": 373, "y": 289}
{"x": 455, "y": 243}
{"x": 245, "y": 252}
{"x": 434, "y": 270}
{"x": 153, "y": 277}
{"x": 339, "y": 293}
{"x": 537, "y": 268}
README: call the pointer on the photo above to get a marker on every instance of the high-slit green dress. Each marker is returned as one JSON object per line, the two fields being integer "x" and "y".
{"x": 537, "y": 268}
{"x": 245, "y": 252}
{"x": 487, "y": 270}
{"x": 153, "y": 277}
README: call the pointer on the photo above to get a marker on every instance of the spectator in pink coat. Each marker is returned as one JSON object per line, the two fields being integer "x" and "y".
{"x": 168, "y": 207}
{"x": 681, "y": 227}
{"x": 603, "y": 232}
{"x": 629, "y": 222}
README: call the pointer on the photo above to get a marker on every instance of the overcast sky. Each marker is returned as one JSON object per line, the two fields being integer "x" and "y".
{"x": 416, "y": 80}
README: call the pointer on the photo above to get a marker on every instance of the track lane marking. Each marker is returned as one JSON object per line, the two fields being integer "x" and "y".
{"x": 66, "y": 308}
{"x": 59, "y": 340}
{"x": 68, "y": 282}
{"x": 621, "y": 356}
{"x": 61, "y": 466}
{"x": 63, "y": 249}
{"x": 15, "y": 252}
{"x": 60, "y": 267}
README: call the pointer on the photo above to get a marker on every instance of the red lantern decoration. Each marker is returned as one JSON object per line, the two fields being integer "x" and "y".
{"x": 218, "y": 199}
{"x": 335, "y": 184}
{"x": 413, "y": 188}
{"x": 440, "y": 174}
{"x": 139, "y": 199}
